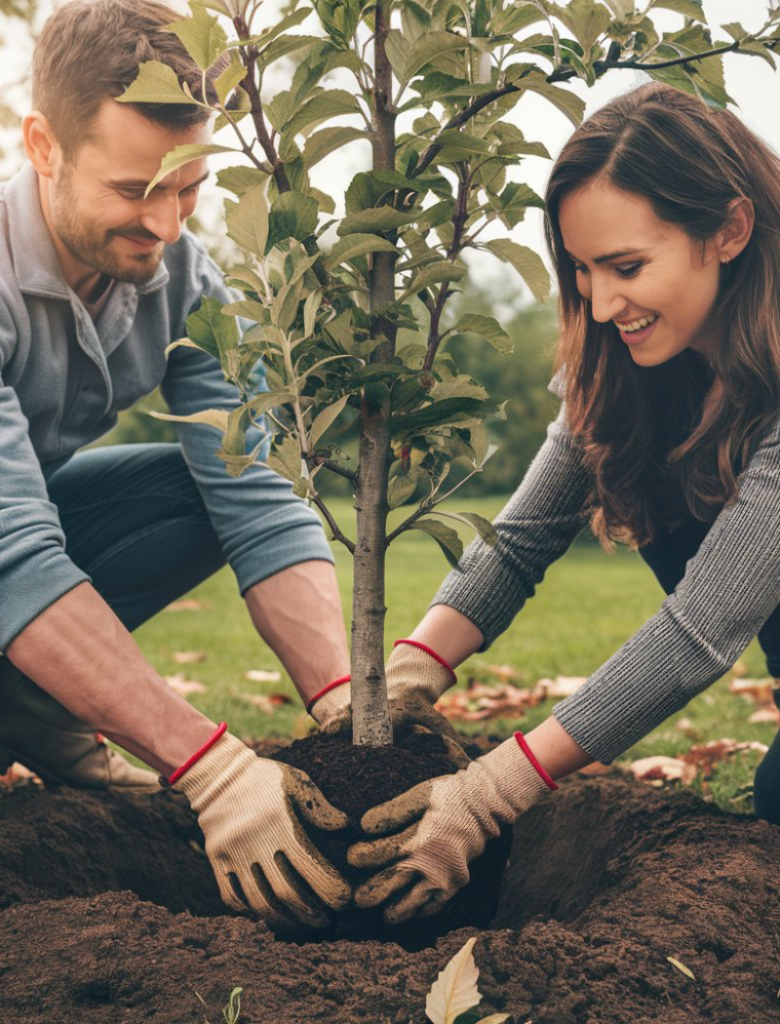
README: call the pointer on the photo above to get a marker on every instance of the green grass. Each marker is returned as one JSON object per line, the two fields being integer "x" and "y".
{"x": 589, "y": 603}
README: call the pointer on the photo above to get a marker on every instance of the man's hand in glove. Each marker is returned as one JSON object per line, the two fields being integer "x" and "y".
{"x": 440, "y": 826}
{"x": 261, "y": 856}
{"x": 416, "y": 678}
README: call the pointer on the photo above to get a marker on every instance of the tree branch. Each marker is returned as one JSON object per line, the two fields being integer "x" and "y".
{"x": 599, "y": 66}
{"x": 334, "y": 527}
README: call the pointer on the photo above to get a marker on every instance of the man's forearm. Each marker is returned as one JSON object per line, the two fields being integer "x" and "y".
{"x": 80, "y": 653}
{"x": 298, "y": 613}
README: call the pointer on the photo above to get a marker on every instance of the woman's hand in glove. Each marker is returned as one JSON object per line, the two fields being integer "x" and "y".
{"x": 438, "y": 827}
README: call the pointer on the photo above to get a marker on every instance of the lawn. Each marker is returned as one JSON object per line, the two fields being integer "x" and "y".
{"x": 588, "y": 605}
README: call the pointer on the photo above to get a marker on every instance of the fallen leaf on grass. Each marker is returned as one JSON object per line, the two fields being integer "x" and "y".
{"x": 659, "y": 769}
{"x": 687, "y": 728}
{"x": 757, "y": 690}
{"x": 505, "y": 673}
{"x": 184, "y": 686}
{"x": 681, "y": 967}
{"x": 259, "y": 675}
{"x": 561, "y": 686}
{"x": 765, "y": 715}
{"x": 480, "y": 702}
{"x": 189, "y": 604}
{"x": 266, "y": 702}
{"x": 188, "y": 657}
{"x": 704, "y": 756}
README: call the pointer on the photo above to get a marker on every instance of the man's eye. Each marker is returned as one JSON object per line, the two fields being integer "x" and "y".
{"x": 132, "y": 195}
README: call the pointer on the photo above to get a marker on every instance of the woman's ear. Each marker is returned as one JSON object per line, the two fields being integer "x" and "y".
{"x": 733, "y": 238}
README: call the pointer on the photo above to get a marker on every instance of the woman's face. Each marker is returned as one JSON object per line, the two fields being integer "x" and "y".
{"x": 630, "y": 265}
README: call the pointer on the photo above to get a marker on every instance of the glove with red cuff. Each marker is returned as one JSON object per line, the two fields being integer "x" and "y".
{"x": 248, "y": 808}
{"x": 416, "y": 677}
{"x": 440, "y": 826}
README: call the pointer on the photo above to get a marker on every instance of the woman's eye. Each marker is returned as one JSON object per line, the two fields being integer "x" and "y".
{"x": 623, "y": 271}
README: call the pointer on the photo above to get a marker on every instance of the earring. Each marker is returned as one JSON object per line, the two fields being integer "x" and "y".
{"x": 727, "y": 260}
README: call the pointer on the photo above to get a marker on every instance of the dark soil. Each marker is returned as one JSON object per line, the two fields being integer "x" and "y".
{"x": 355, "y": 779}
{"x": 606, "y": 880}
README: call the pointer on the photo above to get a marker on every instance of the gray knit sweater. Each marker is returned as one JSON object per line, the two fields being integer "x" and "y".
{"x": 729, "y": 590}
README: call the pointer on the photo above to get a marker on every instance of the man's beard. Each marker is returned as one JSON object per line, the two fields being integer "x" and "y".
{"x": 93, "y": 246}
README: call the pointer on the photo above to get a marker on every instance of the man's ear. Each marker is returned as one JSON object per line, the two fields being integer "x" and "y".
{"x": 40, "y": 143}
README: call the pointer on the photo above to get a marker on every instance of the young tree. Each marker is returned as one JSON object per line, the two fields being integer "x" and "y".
{"x": 432, "y": 83}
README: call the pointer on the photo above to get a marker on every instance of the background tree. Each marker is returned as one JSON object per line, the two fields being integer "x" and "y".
{"x": 333, "y": 301}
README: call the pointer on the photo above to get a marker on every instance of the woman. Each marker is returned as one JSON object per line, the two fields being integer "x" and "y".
{"x": 663, "y": 224}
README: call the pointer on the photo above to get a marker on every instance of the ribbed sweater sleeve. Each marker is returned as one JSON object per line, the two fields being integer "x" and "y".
{"x": 729, "y": 590}
{"x": 535, "y": 528}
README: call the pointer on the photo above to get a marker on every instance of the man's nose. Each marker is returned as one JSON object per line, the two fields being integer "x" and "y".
{"x": 164, "y": 220}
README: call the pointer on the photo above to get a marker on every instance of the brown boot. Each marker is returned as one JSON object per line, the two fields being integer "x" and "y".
{"x": 38, "y": 732}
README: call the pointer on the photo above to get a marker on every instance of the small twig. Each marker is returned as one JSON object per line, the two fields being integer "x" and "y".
{"x": 335, "y": 529}
{"x": 334, "y": 467}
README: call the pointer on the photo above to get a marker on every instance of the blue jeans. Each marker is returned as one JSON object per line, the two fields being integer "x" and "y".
{"x": 134, "y": 521}
{"x": 667, "y": 557}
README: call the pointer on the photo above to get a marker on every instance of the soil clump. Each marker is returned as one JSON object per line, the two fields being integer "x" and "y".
{"x": 355, "y": 779}
{"x": 606, "y": 880}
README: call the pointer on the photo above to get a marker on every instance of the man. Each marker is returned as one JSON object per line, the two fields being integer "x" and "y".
{"x": 95, "y": 281}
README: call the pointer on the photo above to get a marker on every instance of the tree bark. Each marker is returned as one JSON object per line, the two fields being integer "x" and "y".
{"x": 371, "y": 724}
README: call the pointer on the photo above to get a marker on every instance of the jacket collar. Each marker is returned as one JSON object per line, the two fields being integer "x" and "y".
{"x": 34, "y": 256}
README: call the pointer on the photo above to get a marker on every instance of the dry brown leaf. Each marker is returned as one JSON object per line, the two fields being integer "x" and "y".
{"x": 770, "y": 714}
{"x": 687, "y": 728}
{"x": 266, "y": 702}
{"x": 562, "y": 686}
{"x": 504, "y": 672}
{"x": 188, "y": 657}
{"x": 704, "y": 756}
{"x": 259, "y": 675}
{"x": 659, "y": 769}
{"x": 184, "y": 686}
{"x": 189, "y": 604}
{"x": 480, "y": 702}
{"x": 757, "y": 690}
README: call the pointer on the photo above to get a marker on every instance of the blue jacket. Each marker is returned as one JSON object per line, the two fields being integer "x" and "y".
{"x": 62, "y": 382}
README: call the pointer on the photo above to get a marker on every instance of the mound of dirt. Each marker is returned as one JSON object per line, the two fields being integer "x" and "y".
{"x": 606, "y": 880}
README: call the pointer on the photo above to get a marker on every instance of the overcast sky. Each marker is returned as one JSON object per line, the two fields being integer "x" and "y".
{"x": 749, "y": 80}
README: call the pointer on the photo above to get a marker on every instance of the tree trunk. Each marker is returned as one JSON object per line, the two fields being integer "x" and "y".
{"x": 370, "y": 717}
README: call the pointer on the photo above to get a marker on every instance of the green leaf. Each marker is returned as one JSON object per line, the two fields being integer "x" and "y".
{"x": 202, "y": 35}
{"x": 247, "y": 220}
{"x": 228, "y": 79}
{"x": 690, "y": 8}
{"x": 282, "y": 46}
{"x": 212, "y": 330}
{"x": 681, "y": 967}
{"x": 323, "y": 142}
{"x": 217, "y": 418}
{"x": 527, "y": 263}
{"x": 621, "y": 9}
{"x": 332, "y": 103}
{"x": 326, "y": 419}
{"x": 156, "y": 83}
{"x": 281, "y": 26}
{"x": 461, "y": 386}
{"x": 356, "y": 245}
{"x": 447, "y": 411}
{"x": 434, "y": 273}
{"x": 240, "y": 179}
{"x": 486, "y": 327}
{"x": 753, "y": 49}
{"x": 483, "y": 527}
{"x": 285, "y": 459}
{"x": 564, "y": 99}
{"x": 452, "y": 547}
{"x": 585, "y": 19}
{"x": 378, "y": 218}
{"x": 428, "y": 48}
{"x": 293, "y": 215}
{"x": 402, "y": 487}
{"x": 182, "y": 155}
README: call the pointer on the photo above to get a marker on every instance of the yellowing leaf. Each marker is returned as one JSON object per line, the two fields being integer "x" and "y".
{"x": 681, "y": 967}
{"x": 156, "y": 83}
{"x": 212, "y": 417}
{"x": 182, "y": 155}
{"x": 455, "y": 990}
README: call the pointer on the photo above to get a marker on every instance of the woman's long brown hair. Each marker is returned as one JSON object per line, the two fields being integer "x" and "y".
{"x": 667, "y": 442}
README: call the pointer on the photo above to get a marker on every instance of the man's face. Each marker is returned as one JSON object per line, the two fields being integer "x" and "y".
{"x": 96, "y": 199}
{"x": 662, "y": 273}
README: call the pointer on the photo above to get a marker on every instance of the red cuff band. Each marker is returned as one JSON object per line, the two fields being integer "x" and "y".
{"x": 521, "y": 742}
{"x": 221, "y": 728}
{"x": 326, "y": 689}
{"x": 433, "y": 654}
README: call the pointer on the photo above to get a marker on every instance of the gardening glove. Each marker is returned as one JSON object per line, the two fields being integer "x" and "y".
{"x": 38, "y": 732}
{"x": 440, "y": 826}
{"x": 416, "y": 678}
{"x": 248, "y": 808}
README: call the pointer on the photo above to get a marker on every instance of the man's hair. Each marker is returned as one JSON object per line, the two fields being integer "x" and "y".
{"x": 91, "y": 50}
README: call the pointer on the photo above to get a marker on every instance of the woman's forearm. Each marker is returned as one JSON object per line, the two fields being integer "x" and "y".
{"x": 448, "y": 632}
